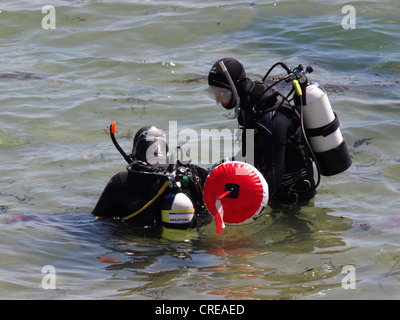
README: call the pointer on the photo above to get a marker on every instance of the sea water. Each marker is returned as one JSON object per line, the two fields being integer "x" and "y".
{"x": 70, "y": 68}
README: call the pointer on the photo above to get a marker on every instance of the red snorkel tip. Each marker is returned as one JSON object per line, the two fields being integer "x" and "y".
{"x": 113, "y": 127}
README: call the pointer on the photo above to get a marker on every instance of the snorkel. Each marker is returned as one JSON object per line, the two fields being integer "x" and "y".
{"x": 235, "y": 94}
{"x": 116, "y": 144}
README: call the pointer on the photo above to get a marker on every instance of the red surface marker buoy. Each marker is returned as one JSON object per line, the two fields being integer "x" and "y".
{"x": 235, "y": 193}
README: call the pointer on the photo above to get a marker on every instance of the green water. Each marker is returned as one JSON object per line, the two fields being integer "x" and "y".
{"x": 145, "y": 63}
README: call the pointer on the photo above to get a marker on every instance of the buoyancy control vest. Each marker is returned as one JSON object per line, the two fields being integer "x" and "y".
{"x": 258, "y": 101}
{"x": 297, "y": 183}
{"x": 262, "y": 105}
{"x": 178, "y": 201}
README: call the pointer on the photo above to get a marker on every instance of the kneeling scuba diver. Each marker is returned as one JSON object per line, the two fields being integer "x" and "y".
{"x": 153, "y": 192}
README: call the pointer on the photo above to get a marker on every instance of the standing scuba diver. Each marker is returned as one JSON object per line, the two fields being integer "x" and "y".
{"x": 282, "y": 152}
{"x": 152, "y": 191}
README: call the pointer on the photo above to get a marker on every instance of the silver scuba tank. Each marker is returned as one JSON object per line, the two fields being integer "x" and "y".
{"x": 323, "y": 133}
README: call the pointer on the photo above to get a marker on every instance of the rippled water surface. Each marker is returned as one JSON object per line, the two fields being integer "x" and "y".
{"x": 145, "y": 63}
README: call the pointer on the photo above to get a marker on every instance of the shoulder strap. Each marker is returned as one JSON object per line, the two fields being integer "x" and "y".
{"x": 267, "y": 99}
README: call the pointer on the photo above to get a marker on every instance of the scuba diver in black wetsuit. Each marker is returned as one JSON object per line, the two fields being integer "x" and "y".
{"x": 282, "y": 152}
{"x": 152, "y": 191}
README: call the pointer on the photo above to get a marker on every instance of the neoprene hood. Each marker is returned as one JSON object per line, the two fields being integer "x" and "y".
{"x": 216, "y": 76}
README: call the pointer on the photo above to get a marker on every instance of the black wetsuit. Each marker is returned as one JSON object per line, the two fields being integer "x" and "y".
{"x": 127, "y": 192}
{"x": 280, "y": 151}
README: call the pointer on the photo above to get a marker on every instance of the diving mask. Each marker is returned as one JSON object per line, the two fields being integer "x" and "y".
{"x": 222, "y": 96}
